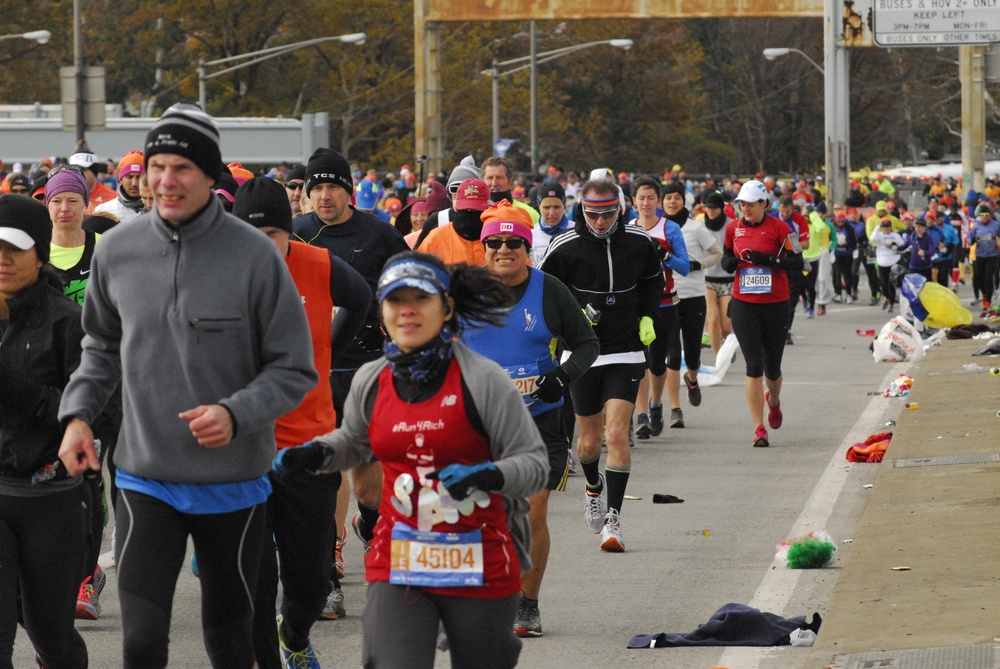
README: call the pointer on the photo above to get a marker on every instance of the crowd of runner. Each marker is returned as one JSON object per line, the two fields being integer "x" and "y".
{"x": 491, "y": 333}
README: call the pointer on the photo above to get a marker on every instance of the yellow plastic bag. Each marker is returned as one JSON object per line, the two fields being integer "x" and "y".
{"x": 944, "y": 309}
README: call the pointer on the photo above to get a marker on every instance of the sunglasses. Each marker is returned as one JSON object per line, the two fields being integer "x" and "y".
{"x": 68, "y": 168}
{"x": 607, "y": 215}
{"x": 19, "y": 191}
{"x": 294, "y": 185}
{"x": 513, "y": 244}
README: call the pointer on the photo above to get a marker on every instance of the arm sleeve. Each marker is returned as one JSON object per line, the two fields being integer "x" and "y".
{"x": 34, "y": 397}
{"x": 567, "y": 322}
{"x": 709, "y": 242}
{"x": 353, "y": 297}
{"x": 651, "y": 283}
{"x": 679, "y": 261}
{"x": 99, "y": 371}
{"x": 729, "y": 259}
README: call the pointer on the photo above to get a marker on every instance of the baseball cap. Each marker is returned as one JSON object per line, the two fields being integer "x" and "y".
{"x": 413, "y": 273}
{"x": 753, "y": 191}
{"x": 473, "y": 194}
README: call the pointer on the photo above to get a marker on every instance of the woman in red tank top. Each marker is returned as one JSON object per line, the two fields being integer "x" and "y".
{"x": 460, "y": 455}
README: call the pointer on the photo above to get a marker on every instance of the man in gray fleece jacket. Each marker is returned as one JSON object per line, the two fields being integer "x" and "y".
{"x": 194, "y": 312}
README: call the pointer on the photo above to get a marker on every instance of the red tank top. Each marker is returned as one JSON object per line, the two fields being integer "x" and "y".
{"x": 415, "y": 439}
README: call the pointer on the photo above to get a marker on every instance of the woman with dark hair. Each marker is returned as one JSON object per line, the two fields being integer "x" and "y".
{"x": 44, "y": 513}
{"x": 460, "y": 454}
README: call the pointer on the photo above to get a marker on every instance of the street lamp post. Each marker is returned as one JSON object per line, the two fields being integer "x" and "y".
{"x": 531, "y": 62}
{"x": 262, "y": 55}
{"x": 836, "y": 99}
{"x": 40, "y": 36}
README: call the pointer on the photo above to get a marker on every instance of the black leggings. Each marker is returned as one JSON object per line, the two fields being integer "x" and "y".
{"x": 300, "y": 516}
{"x": 842, "y": 275}
{"x": 665, "y": 326}
{"x": 983, "y": 270}
{"x": 151, "y": 545}
{"x": 691, "y": 322}
{"x": 760, "y": 329}
{"x": 42, "y": 552}
{"x": 812, "y": 269}
{"x": 885, "y": 280}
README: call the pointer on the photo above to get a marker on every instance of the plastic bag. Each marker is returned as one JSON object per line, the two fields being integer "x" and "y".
{"x": 898, "y": 341}
{"x": 944, "y": 309}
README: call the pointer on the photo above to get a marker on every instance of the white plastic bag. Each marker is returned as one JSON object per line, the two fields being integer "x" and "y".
{"x": 898, "y": 341}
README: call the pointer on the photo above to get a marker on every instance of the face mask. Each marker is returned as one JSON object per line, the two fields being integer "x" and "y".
{"x": 497, "y": 195}
{"x": 603, "y": 235}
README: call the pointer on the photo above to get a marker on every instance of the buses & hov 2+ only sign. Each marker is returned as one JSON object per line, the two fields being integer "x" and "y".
{"x": 935, "y": 22}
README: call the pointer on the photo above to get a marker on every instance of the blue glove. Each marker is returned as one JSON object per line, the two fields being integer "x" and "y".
{"x": 308, "y": 457}
{"x": 461, "y": 480}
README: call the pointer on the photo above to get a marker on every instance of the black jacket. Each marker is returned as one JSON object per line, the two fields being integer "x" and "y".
{"x": 38, "y": 352}
{"x": 621, "y": 276}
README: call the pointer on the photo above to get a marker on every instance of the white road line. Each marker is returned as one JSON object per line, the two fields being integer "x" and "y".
{"x": 779, "y": 583}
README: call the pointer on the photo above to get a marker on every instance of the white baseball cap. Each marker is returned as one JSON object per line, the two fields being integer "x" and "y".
{"x": 753, "y": 191}
{"x": 83, "y": 159}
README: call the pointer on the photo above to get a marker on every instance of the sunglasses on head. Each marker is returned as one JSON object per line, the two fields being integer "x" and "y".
{"x": 294, "y": 185}
{"x": 607, "y": 214}
{"x": 68, "y": 168}
{"x": 513, "y": 244}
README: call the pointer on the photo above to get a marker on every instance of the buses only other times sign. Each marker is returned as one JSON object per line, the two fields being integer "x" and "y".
{"x": 935, "y": 22}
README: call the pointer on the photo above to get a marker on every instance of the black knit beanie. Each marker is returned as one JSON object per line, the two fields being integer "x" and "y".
{"x": 185, "y": 130}
{"x": 262, "y": 202}
{"x": 327, "y": 166}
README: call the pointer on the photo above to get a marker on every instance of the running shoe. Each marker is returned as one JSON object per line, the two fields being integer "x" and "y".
{"x": 644, "y": 431}
{"x": 655, "y": 420}
{"x": 676, "y": 418}
{"x": 889, "y": 309}
{"x": 356, "y": 526}
{"x": 854, "y": 296}
{"x": 571, "y": 462}
{"x": 338, "y": 552}
{"x": 529, "y": 621}
{"x": 594, "y": 507}
{"x": 694, "y": 392}
{"x": 88, "y": 602}
{"x": 872, "y": 302}
{"x": 838, "y": 299}
{"x": 760, "y": 438}
{"x": 611, "y": 534}
{"x": 810, "y": 313}
{"x": 706, "y": 341}
{"x": 773, "y": 411}
{"x": 788, "y": 339}
{"x": 334, "y": 605}
{"x": 820, "y": 310}
{"x": 306, "y": 658}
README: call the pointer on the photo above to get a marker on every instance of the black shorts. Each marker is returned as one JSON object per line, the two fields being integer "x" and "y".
{"x": 606, "y": 382}
{"x": 549, "y": 425}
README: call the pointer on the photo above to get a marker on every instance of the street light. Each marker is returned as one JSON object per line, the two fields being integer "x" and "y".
{"x": 837, "y": 120}
{"x": 40, "y": 36}
{"x": 262, "y": 55}
{"x": 531, "y": 62}
{"x": 778, "y": 52}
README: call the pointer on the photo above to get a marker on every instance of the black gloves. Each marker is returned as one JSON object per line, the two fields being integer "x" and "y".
{"x": 551, "y": 386}
{"x": 308, "y": 457}
{"x": 665, "y": 255}
{"x": 461, "y": 480}
{"x": 695, "y": 265}
{"x": 760, "y": 258}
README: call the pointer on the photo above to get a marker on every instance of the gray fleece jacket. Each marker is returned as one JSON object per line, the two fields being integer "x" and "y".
{"x": 517, "y": 447}
{"x": 204, "y": 314}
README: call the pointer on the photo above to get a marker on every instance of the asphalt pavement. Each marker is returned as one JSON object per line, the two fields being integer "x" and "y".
{"x": 683, "y": 561}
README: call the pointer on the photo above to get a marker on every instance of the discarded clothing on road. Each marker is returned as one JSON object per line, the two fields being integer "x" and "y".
{"x": 733, "y": 625}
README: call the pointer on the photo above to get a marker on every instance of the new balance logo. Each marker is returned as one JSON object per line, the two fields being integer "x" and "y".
{"x": 449, "y": 400}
